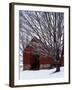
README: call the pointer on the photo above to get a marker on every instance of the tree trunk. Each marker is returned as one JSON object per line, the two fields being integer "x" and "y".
{"x": 58, "y": 61}
{"x": 58, "y": 67}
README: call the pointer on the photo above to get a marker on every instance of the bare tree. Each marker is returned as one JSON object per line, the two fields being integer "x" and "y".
{"x": 48, "y": 27}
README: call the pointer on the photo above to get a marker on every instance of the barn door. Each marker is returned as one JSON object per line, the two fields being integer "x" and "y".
{"x": 35, "y": 62}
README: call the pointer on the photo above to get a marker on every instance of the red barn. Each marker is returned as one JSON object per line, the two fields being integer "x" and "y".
{"x": 35, "y": 57}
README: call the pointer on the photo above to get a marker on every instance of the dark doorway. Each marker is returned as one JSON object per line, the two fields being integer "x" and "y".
{"x": 35, "y": 62}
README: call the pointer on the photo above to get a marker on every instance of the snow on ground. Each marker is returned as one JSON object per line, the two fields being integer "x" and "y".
{"x": 41, "y": 74}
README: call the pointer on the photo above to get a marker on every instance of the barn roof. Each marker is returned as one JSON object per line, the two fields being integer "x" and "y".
{"x": 37, "y": 46}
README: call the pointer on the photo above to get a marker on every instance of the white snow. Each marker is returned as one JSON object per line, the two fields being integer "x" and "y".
{"x": 41, "y": 74}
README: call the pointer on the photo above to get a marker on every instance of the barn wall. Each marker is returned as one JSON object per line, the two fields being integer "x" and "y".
{"x": 44, "y": 66}
{"x": 27, "y": 66}
{"x": 45, "y": 62}
{"x": 27, "y": 59}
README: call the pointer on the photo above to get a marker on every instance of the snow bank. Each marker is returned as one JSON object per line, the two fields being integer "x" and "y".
{"x": 41, "y": 74}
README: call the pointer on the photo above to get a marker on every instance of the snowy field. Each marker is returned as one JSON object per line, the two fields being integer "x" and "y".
{"x": 41, "y": 74}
